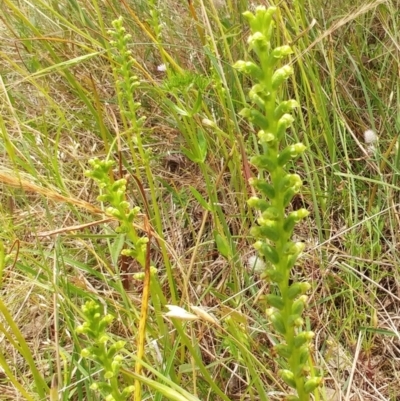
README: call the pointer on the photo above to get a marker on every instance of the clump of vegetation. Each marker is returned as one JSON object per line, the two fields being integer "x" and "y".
{"x": 153, "y": 220}
{"x": 275, "y": 226}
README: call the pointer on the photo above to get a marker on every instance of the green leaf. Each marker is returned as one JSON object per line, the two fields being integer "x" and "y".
{"x": 202, "y": 145}
{"x": 200, "y": 199}
{"x": 179, "y": 110}
{"x": 288, "y": 377}
{"x": 190, "y": 155}
{"x": 198, "y": 103}
{"x": 223, "y": 246}
{"x": 178, "y": 394}
{"x": 21, "y": 345}
{"x": 116, "y": 248}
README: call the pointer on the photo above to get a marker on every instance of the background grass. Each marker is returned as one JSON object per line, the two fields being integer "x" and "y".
{"x": 60, "y": 107}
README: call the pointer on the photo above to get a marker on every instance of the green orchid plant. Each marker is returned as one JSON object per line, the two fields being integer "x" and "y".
{"x": 101, "y": 351}
{"x": 277, "y": 187}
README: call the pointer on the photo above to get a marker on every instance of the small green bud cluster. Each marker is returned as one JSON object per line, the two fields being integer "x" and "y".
{"x": 154, "y": 21}
{"x": 127, "y": 82}
{"x": 107, "y": 356}
{"x": 275, "y": 224}
{"x": 114, "y": 194}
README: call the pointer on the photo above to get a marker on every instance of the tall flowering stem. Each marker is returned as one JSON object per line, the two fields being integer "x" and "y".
{"x": 108, "y": 356}
{"x": 275, "y": 226}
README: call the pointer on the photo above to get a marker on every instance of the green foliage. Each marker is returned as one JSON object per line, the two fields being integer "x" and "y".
{"x": 107, "y": 357}
{"x": 76, "y": 86}
{"x": 114, "y": 193}
{"x": 275, "y": 224}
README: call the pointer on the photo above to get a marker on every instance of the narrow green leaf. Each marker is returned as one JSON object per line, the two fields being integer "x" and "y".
{"x": 223, "y": 246}
{"x": 198, "y": 103}
{"x": 202, "y": 145}
{"x": 200, "y": 199}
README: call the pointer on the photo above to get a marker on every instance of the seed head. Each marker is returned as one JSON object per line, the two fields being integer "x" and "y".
{"x": 370, "y": 137}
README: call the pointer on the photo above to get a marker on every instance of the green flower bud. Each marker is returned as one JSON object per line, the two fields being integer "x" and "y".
{"x": 105, "y": 321}
{"x": 124, "y": 205}
{"x": 108, "y": 375}
{"x": 255, "y": 202}
{"x": 275, "y": 300}
{"x": 267, "y": 251}
{"x": 128, "y": 390}
{"x": 264, "y": 187}
{"x": 311, "y": 384}
{"x": 269, "y": 229}
{"x": 290, "y": 152}
{"x": 116, "y": 363}
{"x": 259, "y": 119}
{"x": 283, "y": 124}
{"x": 257, "y": 95}
{"x": 282, "y": 51}
{"x": 245, "y": 112}
{"x": 142, "y": 241}
{"x": 271, "y": 213}
{"x": 281, "y": 75}
{"x": 293, "y": 218}
{"x": 262, "y": 19}
{"x": 298, "y": 305}
{"x": 294, "y": 248}
{"x": 104, "y": 197}
{"x": 104, "y": 339}
{"x": 249, "y": 16}
{"x": 265, "y": 137}
{"x": 288, "y": 377}
{"x": 263, "y": 162}
{"x": 304, "y": 354}
{"x": 285, "y": 107}
{"x": 259, "y": 89}
{"x": 297, "y": 289}
{"x": 113, "y": 212}
{"x": 249, "y": 68}
{"x": 296, "y": 251}
{"x": 277, "y": 321}
{"x": 139, "y": 276}
{"x": 119, "y": 345}
{"x": 89, "y": 307}
{"x": 273, "y": 275}
{"x": 116, "y": 347}
{"x": 81, "y": 329}
{"x": 258, "y": 100}
{"x": 258, "y": 42}
{"x": 291, "y": 180}
{"x": 85, "y": 353}
{"x": 303, "y": 338}
{"x": 283, "y": 350}
{"x": 288, "y": 196}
